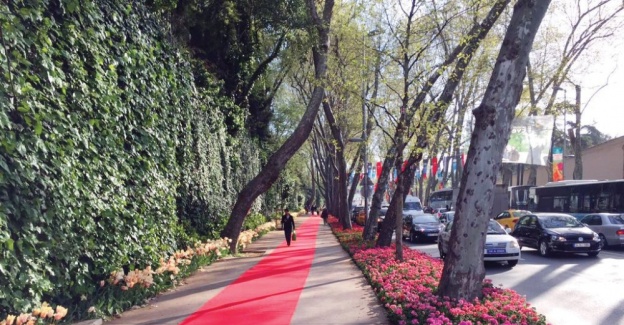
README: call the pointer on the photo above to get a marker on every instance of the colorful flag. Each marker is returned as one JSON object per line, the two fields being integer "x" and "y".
{"x": 557, "y": 164}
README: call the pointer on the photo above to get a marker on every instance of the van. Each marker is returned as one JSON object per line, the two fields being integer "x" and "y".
{"x": 412, "y": 206}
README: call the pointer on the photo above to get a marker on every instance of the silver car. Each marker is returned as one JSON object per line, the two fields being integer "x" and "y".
{"x": 609, "y": 226}
{"x": 499, "y": 245}
{"x": 447, "y": 217}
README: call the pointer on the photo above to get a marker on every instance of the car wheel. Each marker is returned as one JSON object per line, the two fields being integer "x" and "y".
{"x": 603, "y": 241}
{"x": 592, "y": 254}
{"x": 512, "y": 263}
{"x": 413, "y": 237}
{"x": 543, "y": 248}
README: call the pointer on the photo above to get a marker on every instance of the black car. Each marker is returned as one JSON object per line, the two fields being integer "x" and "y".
{"x": 421, "y": 227}
{"x": 556, "y": 232}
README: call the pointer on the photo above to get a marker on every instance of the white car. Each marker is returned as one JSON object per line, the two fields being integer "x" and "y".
{"x": 499, "y": 245}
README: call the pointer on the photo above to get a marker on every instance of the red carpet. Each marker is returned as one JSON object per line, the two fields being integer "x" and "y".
{"x": 268, "y": 292}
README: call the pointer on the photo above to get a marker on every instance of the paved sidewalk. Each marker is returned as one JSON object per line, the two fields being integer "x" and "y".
{"x": 335, "y": 291}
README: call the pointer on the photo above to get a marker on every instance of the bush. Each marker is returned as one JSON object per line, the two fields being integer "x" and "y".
{"x": 254, "y": 220}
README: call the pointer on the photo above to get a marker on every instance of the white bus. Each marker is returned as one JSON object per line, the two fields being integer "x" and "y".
{"x": 443, "y": 198}
{"x": 580, "y": 197}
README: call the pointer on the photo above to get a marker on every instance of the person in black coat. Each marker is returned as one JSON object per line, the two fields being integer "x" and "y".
{"x": 288, "y": 224}
{"x": 325, "y": 215}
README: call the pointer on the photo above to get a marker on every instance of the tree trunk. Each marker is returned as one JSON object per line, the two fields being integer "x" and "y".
{"x": 463, "y": 273}
{"x": 398, "y": 218}
{"x": 578, "y": 151}
{"x": 382, "y": 186}
{"x": 277, "y": 161}
{"x": 394, "y": 214}
{"x": 341, "y": 164}
{"x": 355, "y": 181}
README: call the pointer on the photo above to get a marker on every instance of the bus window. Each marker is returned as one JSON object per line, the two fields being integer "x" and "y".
{"x": 560, "y": 204}
{"x": 574, "y": 203}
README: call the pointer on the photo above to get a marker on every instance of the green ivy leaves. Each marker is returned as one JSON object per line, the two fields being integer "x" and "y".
{"x": 111, "y": 153}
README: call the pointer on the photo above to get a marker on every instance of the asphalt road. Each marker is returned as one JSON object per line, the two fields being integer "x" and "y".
{"x": 567, "y": 289}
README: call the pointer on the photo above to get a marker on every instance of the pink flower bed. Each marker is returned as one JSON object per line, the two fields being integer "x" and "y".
{"x": 408, "y": 289}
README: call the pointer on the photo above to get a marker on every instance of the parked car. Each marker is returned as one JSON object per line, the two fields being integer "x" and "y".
{"x": 421, "y": 227}
{"x": 556, "y": 232}
{"x": 355, "y": 210}
{"x": 508, "y": 218}
{"x": 437, "y": 211}
{"x": 608, "y": 226}
{"x": 360, "y": 219}
{"x": 447, "y": 217}
{"x": 499, "y": 245}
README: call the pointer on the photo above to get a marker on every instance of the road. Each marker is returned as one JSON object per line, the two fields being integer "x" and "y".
{"x": 567, "y": 289}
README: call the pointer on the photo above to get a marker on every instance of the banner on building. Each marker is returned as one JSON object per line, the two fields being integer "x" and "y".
{"x": 557, "y": 164}
{"x": 529, "y": 141}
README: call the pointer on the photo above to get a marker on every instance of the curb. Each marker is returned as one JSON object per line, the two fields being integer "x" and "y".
{"x": 97, "y": 321}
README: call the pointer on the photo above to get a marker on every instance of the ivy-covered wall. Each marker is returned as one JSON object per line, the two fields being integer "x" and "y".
{"x": 113, "y": 149}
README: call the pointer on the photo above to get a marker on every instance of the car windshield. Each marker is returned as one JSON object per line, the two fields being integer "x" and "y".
{"x": 494, "y": 228}
{"x": 412, "y": 206}
{"x": 425, "y": 218}
{"x": 560, "y": 222}
{"x": 616, "y": 219}
{"x": 521, "y": 213}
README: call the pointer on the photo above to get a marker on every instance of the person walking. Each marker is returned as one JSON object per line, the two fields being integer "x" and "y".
{"x": 288, "y": 224}
{"x": 325, "y": 215}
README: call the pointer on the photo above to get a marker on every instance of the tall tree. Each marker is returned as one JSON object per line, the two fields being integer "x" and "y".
{"x": 554, "y": 63}
{"x": 461, "y": 56}
{"x": 276, "y": 162}
{"x": 463, "y": 273}
{"x": 242, "y": 42}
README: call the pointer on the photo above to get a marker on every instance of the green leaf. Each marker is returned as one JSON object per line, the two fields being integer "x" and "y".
{"x": 38, "y": 127}
{"x": 9, "y": 244}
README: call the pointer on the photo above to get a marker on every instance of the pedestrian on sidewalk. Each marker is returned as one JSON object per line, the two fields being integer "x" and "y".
{"x": 325, "y": 215}
{"x": 288, "y": 224}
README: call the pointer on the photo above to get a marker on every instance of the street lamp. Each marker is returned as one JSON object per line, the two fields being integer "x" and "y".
{"x": 563, "y": 150}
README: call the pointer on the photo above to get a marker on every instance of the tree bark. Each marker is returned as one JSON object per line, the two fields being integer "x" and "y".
{"x": 276, "y": 163}
{"x": 578, "y": 151}
{"x": 341, "y": 164}
{"x": 463, "y": 273}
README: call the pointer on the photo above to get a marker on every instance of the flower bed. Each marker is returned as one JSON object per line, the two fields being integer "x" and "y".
{"x": 408, "y": 289}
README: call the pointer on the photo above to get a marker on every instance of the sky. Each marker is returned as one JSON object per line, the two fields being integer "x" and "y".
{"x": 606, "y": 109}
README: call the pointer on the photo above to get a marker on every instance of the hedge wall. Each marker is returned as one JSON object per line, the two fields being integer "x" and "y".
{"x": 113, "y": 150}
